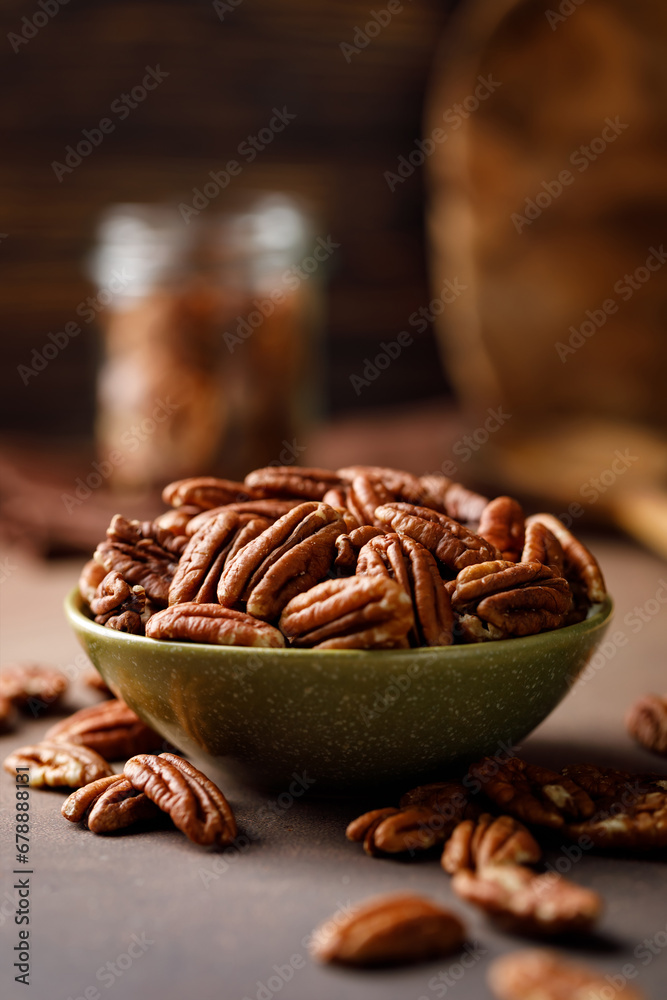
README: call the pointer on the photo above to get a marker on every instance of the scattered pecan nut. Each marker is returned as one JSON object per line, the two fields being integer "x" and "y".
{"x": 111, "y": 728}
{"x": 406, "y": 561}
{"x": 426, "y": 817}
{"x": 108, "y": 804}
{"x": 197, "y": 806}
{"x": 143, "y": 554}
{"x": 526, "y": 903}
{"x": 285, "y": 560}
{"x": 58, "y": 765}
{"x": 211, "y": 623}
{"x": 28, "y": 685}
{"x": 218, "y": 539}
{"x": 291, "y": 481}
{"x": 630, "y": 810}
{"x": 581, "y": 569}
{"x": 118, "y": 604}
{"x": 362, "y": 829}
{"x": 205, "y": 492}
{"x": 452, "y": 543}
{"x": 359, "y": 612}
{"x": 502, "y": 525}
{"x": 531, "y": 793}
{"x": 538, "y": 974}
{"x": 489, "y": 840}
{"x": 387, "y": 931}
{"x": 646, "y": 722}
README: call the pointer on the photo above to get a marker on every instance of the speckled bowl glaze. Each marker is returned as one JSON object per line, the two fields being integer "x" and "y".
{"x": 349, "y": 718}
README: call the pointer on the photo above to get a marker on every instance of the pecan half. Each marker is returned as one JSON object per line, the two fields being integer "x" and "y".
{"x": 205, "y": 492}
{"x": 197, "y": 806}
{"x": 532, "y": 793}
{"x": 111, "y": 728}
{"x": 388, "y": 931}
{"x": 269, "y": 509}
{"x": 542, "y": 546}
{"x": 496, "y": 576}
{"x": 630, "y": 810}
{"x": 359, "y": 612}
{"x": 90, "y": 578}
{"x": 177, "y": 519}
{"x": 406, "y": 561}
{"x": 362, "y": 829}
{"x": 452, "y": 498}
{"x": 285, "y": 560}
{"x": 108, "y": 804}
{"x": 143, "y": 554}
{"x": 211, "y": 623}
{"x": 526, "y": 903}
{"x": 58, "y": 765}
{"x": 217, "y": 540}
{"x": 401, "y": 484}
{"x": 489, "y": 840}
{"x": 451, "y": 542}
{"x": 362, "y": 497}
{"x": 581, "y": 568}
{"x": 118, "y": 605}
{"x": 26, "y": 684}
{"x": 542, "y": 975}
{"x": 528, "y": 609}
{"x": 349, "y": 545}
{"x": 646, "y": 722}
{"x": 292, "y": 481}
{"x": 502, "y": 525}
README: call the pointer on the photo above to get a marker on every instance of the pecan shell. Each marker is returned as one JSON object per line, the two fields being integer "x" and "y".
{"x": 538, "y": 974}
{"x": 357, "y": 612}
{"x": 388, "y": 931}
{"x": 26, "y": 683}
{"x": 646, "y": 722}
{"x": 581, "y": 568}
{"x": 197, "y": 806}
{"x": 58, "y": 765}
{"x": 401, "y": 558}
{"x": 502, "y": 525}
{"x": 449, "y": 541}
{"x": 489, "y": 840}
{"x": 205, "y": 492}
{"x": 108, "y": 804}
{"x": 526, "y": 903}
{"x": 111, "y": 728}
{"x": 285, "y": 560}
{"x": 217, "y": 540}
{"x": 211, "y": 623}
{"x": 291, "y": 481}
{"x": 532, "y": 793}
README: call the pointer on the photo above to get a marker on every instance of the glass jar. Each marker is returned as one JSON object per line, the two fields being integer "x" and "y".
{"x": 209, "y": 340}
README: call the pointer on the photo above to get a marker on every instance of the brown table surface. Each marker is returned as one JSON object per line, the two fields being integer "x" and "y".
{"x": 205, "y": 926}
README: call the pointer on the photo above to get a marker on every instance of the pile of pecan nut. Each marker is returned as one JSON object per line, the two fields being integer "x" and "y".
{"x": 364, "y": 557}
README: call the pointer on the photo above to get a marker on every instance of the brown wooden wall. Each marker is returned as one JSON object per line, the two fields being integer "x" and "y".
{"x": 225, "y": 76}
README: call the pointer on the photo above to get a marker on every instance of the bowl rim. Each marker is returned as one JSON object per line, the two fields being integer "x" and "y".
{"x": 599, "y": 616}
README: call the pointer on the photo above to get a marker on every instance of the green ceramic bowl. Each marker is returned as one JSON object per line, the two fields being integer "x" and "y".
{"x": 348, "y": 718}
